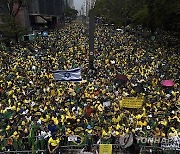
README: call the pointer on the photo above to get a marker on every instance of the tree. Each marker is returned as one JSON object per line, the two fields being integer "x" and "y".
{"x": 141, "y": 16}
{"x": 70, "y": 13}
{"x": 9, "y": 10}
{"x": 12, "y": 7}
{"x": 10, "y": 28}
{"x": 164, "y": 14}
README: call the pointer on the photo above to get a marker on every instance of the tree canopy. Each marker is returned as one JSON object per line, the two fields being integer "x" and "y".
{"x": 9, "y": 9}
{"x": 149, "y": 13}
{"x": 12, "y": 7}
{"x": 70, "y": 13}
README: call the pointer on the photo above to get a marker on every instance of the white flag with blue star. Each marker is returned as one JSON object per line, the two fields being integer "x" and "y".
{"x": 72, "y": 75}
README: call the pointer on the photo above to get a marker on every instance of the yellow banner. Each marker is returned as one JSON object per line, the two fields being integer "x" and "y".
{"x": 105, "y": 149}
{"x": 131, "y": 102}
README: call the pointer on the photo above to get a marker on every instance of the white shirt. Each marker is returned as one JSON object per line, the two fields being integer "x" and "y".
{"x": 39, "y": 121}
{"x": 45, "y": 134}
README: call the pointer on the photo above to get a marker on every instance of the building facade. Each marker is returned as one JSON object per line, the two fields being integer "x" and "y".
{"x": 88, "y": 5}
{"x": 69, "y": 3}
{"x": 46, "y": 12}
{"x": 41, "y": 13}
{"x": 92, "y": 3}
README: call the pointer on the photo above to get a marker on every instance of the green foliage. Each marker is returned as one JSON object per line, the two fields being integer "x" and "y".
{"x": 149, "y": 13}
{"x": 141, "y": 16}
{"x": 9, "y": 27}
{"x": 109, "y": 10}
{"x": 70, "y": 13}
{"x": 167, "y": 14}
{"x": 12, "y": 7}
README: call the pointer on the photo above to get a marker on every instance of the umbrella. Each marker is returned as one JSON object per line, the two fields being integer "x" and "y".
{"x": 167, "y": 83}
{"x": 121, "y": 79}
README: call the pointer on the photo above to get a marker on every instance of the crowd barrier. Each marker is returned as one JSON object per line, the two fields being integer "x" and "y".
{"x": 95, "y": 150}
{"x": 157, "y": 150}
{"x": 39, "y": 146}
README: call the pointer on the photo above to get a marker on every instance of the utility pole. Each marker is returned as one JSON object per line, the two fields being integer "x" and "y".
{"x": 86, "y": 9}
{"x": 91, "y": 37}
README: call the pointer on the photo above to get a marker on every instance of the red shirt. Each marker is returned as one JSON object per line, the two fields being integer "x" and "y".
{"x": 88, "y": 110}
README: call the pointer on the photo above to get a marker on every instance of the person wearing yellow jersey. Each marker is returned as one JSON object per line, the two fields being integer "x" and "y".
{"x": 15, "y": 135}
{"x": 106, "y": 133}
{"x": 116, "y": 119}
{"x": 116, "y": 107}
{"x": 158, "y": 133}
{"x": 163, "y": 121}
{"x": 53, "y": 144}
{"x": 142, "y": 122}
{"x": 45, "y": 118}
{"x": 55, "y": 119}
{"x": 139, "y": 116}
{"x": 52, "y": 92}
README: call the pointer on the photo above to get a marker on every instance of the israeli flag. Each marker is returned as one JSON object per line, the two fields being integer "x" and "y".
{"x": 72, "y": 75}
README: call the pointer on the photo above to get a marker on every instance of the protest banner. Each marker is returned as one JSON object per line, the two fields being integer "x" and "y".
{"x": 105, "y": 149}
{"x": 131, "y": 102}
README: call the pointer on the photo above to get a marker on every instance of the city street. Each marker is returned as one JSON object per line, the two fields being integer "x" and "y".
{"x": 100, "y": 79}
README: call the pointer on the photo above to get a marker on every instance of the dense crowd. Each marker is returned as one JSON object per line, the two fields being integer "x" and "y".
{"x": 33, "y": 104}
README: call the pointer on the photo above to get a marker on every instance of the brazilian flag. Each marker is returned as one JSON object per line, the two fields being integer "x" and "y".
{"x": 80, "y": 140}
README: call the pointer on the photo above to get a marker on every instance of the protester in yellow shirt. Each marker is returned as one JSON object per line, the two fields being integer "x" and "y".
{"x": 142, "y": 122}
{"x": 53, "y": 144}
{"x": 45, "y": 118}
{"x": 106, "y": 133}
